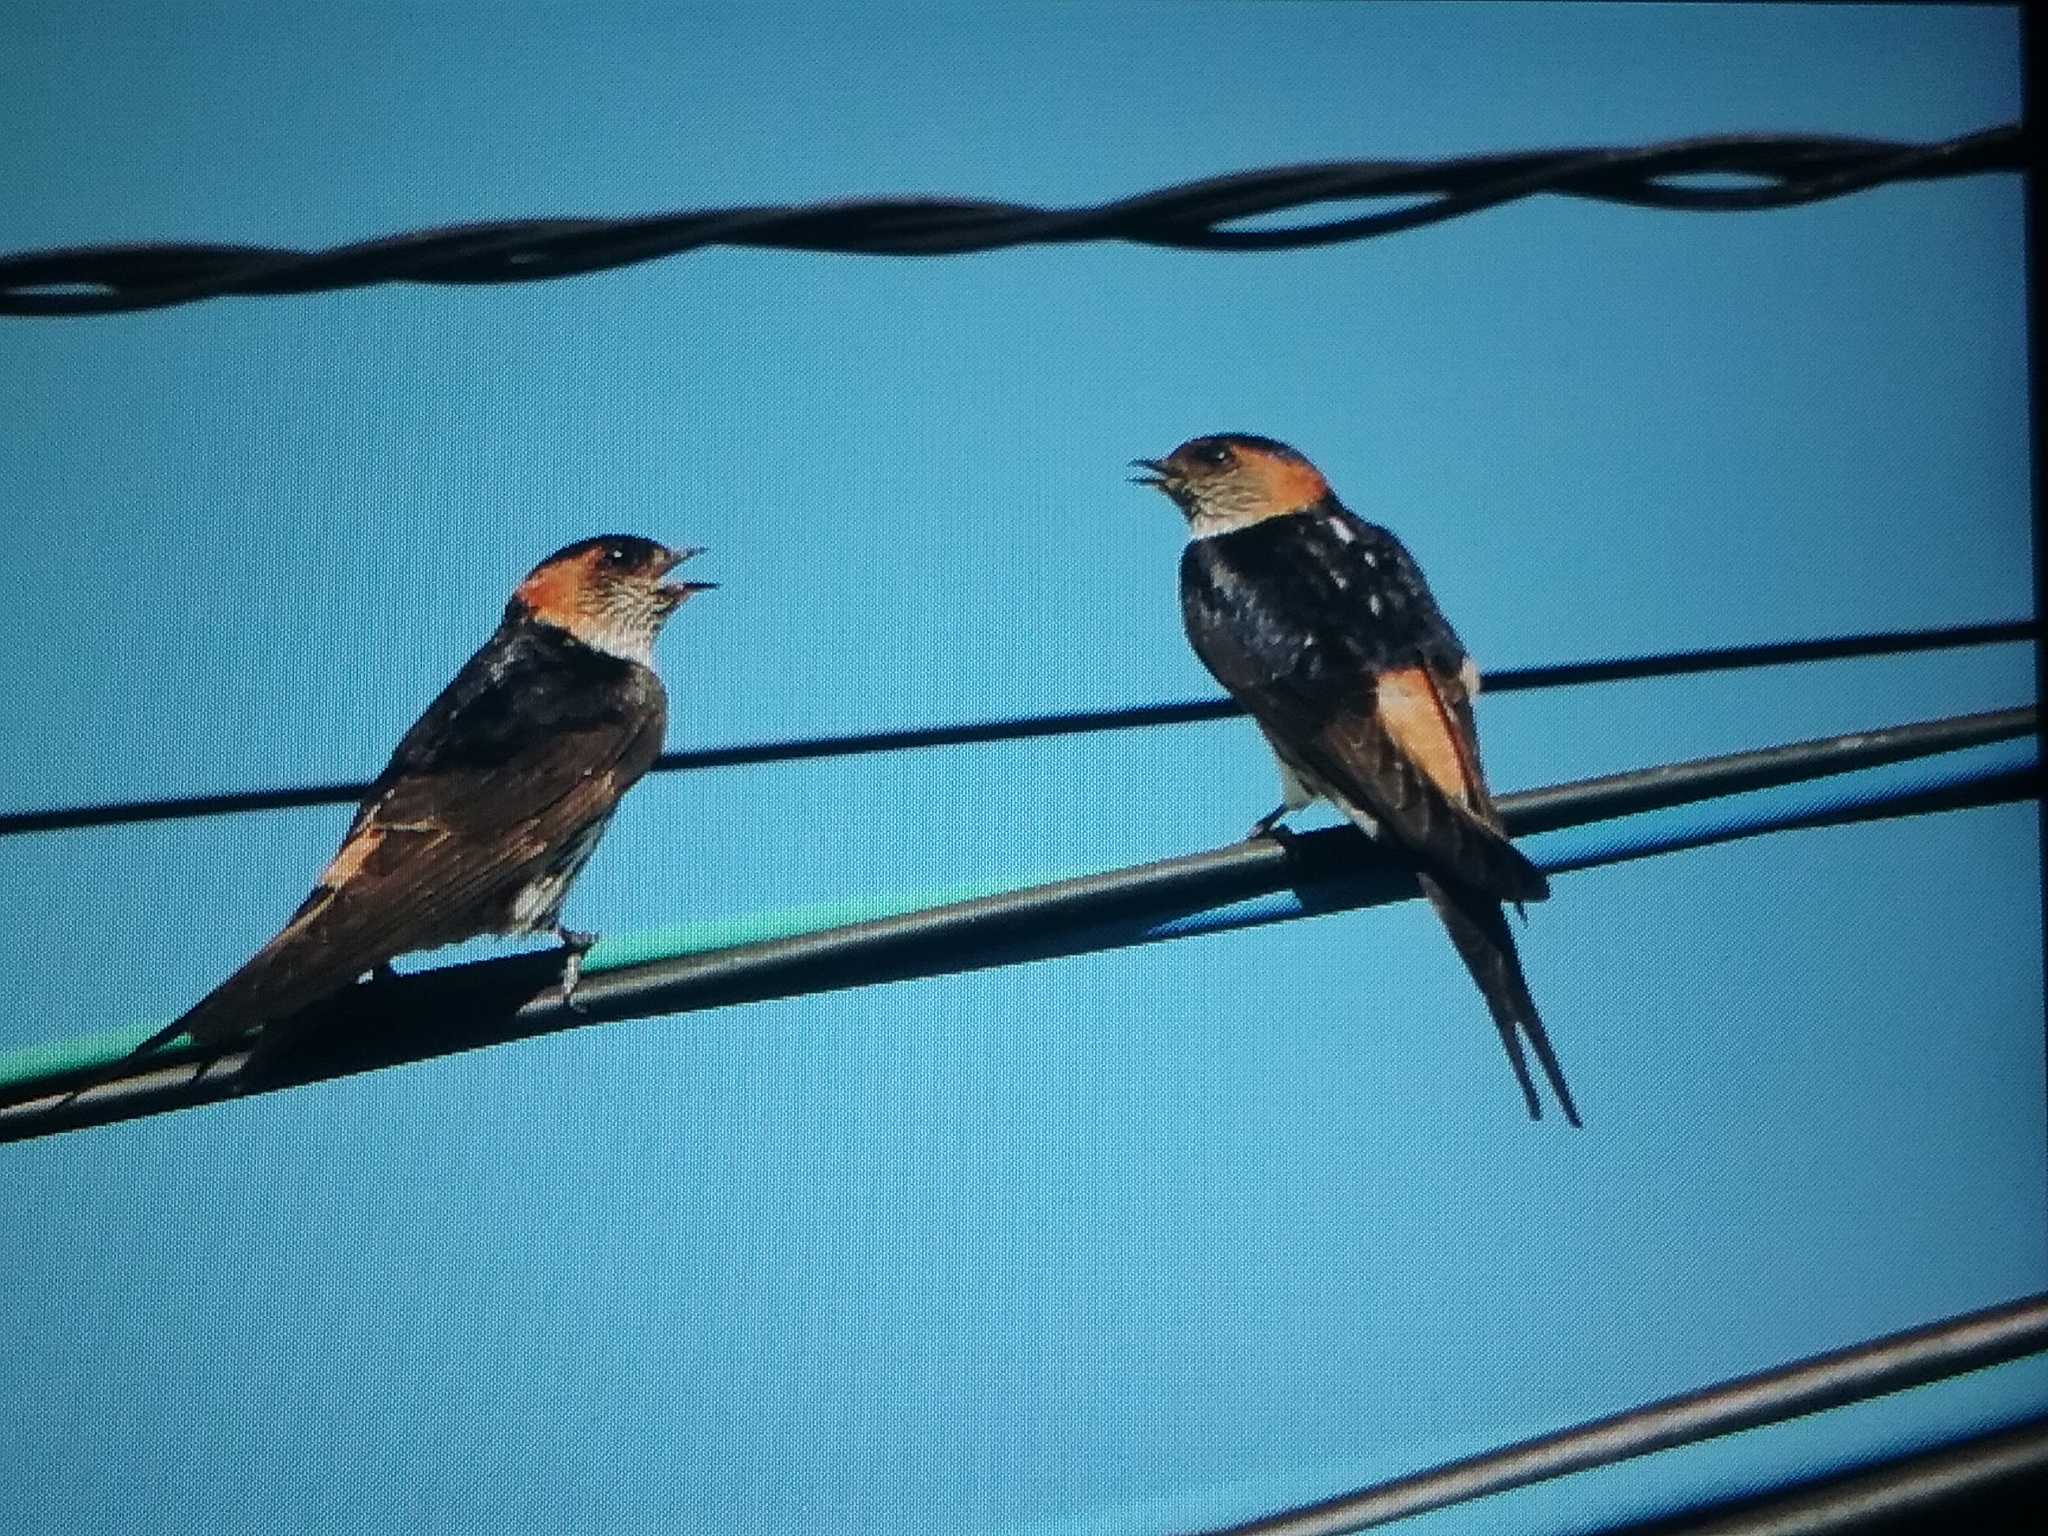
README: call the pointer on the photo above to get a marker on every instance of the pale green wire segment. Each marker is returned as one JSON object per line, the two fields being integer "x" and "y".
{"x": 614, "y": 952}
{"x": 100, "y": 1048}
{"x": 1571, "y": 847}
{"x": 684, "y": 939}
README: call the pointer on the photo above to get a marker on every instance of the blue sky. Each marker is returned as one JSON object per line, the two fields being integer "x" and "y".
{"x": 1147, "y": 1239}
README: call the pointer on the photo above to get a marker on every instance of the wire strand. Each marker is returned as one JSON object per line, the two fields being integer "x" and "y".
{"x": 1957, "y": 1485}
{"x": 1782, "y": 171}
{"x": 1955, "y": 1346}
{"x": 464, "y": 1007}
{"x": 1065, "y": 723}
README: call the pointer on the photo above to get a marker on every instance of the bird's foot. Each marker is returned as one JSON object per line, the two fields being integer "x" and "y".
{"x": 575, "y": 946}
{"x": 1268, "y": 824}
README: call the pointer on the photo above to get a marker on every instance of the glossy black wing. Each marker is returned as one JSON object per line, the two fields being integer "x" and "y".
{"x": 1322, "y": 626}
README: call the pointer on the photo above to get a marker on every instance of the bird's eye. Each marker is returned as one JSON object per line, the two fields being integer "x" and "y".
{"x": 1215, "y": 455}
{"x": 617, "y": 554}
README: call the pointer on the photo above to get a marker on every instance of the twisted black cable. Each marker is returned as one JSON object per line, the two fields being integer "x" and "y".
{"x": 1787, "y": 170}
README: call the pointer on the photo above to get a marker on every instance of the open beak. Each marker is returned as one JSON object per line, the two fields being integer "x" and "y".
{"x": 1157, "y": 475}
{"x": 676, "y": 591}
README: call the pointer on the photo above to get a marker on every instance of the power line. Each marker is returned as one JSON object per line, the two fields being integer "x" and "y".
{"x": 1975, "y": 1483}
{"x": 464, "y": 1007}
{"x": 1066, "y": 723}
{"x": 1981, "y": 1483}
{"x": 1785, "y": 170}
{"x": 1972, "y": 1341}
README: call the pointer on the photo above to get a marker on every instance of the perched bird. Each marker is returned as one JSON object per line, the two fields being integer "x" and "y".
{"x": 1321, "y": 625}
{"x": 496, "y": 796}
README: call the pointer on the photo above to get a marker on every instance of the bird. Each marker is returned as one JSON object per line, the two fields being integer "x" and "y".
{"x": 494, "y": 799}
{"x": 1321, "y": 625}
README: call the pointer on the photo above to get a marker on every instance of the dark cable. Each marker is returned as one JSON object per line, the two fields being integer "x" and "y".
{"x": 1893, "y": 1363}
{"x": 1983, "y": 1484}
{"x": 1068, "y": 723}
{"x": 1786, "y": 171}
{"x": 491, "y": 1002}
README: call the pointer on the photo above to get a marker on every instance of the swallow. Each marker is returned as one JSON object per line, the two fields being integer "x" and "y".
{"x": 1320, "y": 624}
{"x": 495, "y": 798}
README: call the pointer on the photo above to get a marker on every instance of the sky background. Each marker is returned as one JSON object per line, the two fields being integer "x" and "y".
{"x": 1146, "y": 1240}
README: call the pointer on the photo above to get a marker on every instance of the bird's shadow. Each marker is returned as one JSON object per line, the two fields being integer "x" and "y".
{"x": 396, "y": 1019}
{"x": 391, "y": 1019}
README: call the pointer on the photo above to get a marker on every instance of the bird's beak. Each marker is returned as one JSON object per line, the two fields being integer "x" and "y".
{"x": 1157, "y": 475}
{"x": 677, "y": 591}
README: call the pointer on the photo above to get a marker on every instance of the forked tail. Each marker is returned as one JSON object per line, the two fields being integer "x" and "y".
{"x": 1479, "y": 928}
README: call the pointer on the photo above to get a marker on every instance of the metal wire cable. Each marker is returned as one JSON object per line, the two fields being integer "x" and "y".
{"x": 1969, "y": 1342}
{"x": 1958, "y": 1486}
{"x": 1783, "y": 170}
{"x": 463, "y": 1007}
{"x": 1066, "y": 723}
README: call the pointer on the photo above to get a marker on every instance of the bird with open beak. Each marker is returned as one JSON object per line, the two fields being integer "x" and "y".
{"x": 496, "y": 796}
{"x": 1321, "y": 625}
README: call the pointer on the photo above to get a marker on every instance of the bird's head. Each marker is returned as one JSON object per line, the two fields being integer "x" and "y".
{"x": 1231, "y": 480}
{"x": 608, "y": 593}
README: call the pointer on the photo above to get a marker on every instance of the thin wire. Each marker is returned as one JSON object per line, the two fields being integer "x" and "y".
{"x": 1972, "y": 1341}
{"x": 1784, "y": 171}
{"x": 1962, "y": 1483}
{"x": 1067, "y": 723}
{"x": 464, "y": 1007}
